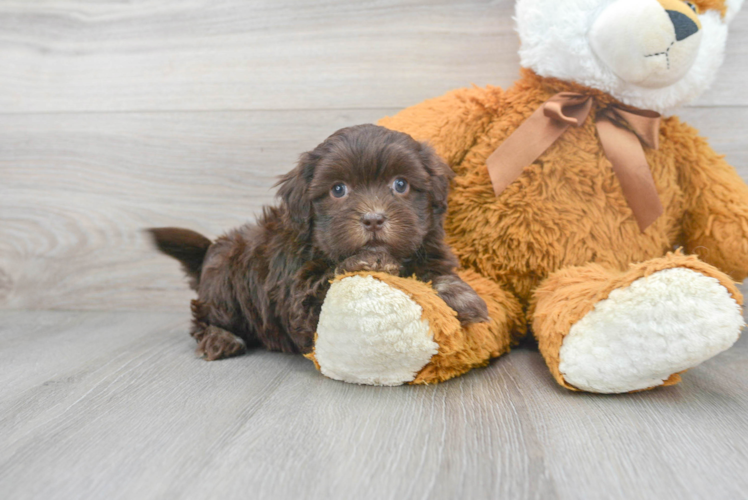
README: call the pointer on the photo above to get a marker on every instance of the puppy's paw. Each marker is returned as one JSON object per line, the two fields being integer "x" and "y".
{"x": 216, "y": 343}
{"x": 369, "y": 261}
{"x": 458, "y": 295}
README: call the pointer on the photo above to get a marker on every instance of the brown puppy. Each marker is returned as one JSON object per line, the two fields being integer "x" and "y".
{"x": 367, "y": 198}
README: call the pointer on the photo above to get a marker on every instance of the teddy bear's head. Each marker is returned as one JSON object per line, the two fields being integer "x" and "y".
{"x": 651, "y": 54}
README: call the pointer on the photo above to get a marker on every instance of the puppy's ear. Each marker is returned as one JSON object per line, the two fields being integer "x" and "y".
{"x": 293, "y": 190}
{"x": 441, "y": 174}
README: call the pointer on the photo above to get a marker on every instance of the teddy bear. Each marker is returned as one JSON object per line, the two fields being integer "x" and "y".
{"x": 581, "y": 211}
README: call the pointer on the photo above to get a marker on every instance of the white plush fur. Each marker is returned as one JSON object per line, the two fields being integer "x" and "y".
{"x": 636, "y": 40}
{"x": 554, "y": 43}
{"x": 371, "y": 333}
{"x": 733, "y": 7}
{"x": 640, "y": 335}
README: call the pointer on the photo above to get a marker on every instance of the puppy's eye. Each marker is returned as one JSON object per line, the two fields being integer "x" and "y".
{"x": 400, "y": 186}
{"x": 339, "y": 190}
{"x": 693, "y": 7}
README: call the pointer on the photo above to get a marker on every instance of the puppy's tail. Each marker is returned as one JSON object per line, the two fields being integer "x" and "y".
{"x": 188, "y": 247}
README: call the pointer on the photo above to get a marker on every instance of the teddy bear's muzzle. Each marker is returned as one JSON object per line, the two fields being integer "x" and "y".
{"x": 651, "y": 43}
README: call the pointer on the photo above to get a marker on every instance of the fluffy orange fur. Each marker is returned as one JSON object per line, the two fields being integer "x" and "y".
{"x": 460, "y": 348}
{"x": 566, "y": 212}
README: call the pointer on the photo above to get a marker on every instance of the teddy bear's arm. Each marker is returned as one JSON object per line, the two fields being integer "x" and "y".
{"x": 450, "y": 123}
{"x": 716, "y": 220}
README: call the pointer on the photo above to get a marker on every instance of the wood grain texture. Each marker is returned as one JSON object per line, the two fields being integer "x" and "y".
{"x": 77, "y": 190}
{"x": 115, "y": 405}
{"x": 77, "y": 55}
{"x": 89, "y": 157}
{"x": 116, "y": 116}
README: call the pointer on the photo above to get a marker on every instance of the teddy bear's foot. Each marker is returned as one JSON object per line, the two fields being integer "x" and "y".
{"x": 371, "y": 333}
{"x": 639, "y": 336}
{"x": 648, "y": 328}
{"x": 380, "y": 329}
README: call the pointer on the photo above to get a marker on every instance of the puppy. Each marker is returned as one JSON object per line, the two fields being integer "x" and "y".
{"x": 367, "y": 198}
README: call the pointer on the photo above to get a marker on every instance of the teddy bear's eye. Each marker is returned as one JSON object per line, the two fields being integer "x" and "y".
{"x": 693, "y": 7}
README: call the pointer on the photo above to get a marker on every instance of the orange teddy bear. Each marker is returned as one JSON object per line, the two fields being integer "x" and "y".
{"x": 615, "y": 236}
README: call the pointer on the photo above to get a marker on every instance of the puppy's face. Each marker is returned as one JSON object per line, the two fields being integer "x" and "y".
{"x": 368, "y": 188}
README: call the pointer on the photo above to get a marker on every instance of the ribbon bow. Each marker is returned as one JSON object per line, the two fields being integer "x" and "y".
{"x": 621, "y": 131}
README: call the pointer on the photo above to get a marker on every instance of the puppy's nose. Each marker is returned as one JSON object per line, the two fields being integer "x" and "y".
{"x": 373, "y": 221}
{"x": 684, "y": 26}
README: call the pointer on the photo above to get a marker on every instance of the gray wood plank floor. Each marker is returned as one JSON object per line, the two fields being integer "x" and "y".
{"x": 115, "y": 116}
{"x": 116, "y": 405}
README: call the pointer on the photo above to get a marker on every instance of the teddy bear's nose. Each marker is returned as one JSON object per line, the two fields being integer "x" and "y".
{"x": 684, "y": 25}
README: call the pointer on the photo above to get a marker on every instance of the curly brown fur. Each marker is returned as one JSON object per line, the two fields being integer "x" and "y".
{"x": 265, "y": 282}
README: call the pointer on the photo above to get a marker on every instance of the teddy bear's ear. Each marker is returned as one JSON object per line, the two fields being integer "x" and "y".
{"x": 733, "y": 7}
{"x": 440, "y": 173}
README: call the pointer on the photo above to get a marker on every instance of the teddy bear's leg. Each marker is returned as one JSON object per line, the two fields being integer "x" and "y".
{"x": 476, "y": 344}
{"x": 380, "y": 329}
{"x": 612, "y": 332}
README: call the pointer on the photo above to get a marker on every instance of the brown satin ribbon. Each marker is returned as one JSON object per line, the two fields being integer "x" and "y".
{"x": 621, "y": 132}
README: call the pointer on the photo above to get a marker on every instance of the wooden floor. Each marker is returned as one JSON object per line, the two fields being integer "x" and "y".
{"x": 116, "y": 116}
{"x": 115, "y": 405}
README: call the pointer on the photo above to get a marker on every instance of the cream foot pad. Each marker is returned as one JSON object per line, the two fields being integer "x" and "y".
{"x": 371, "y": 333}
{"x": 662, "y": 324}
